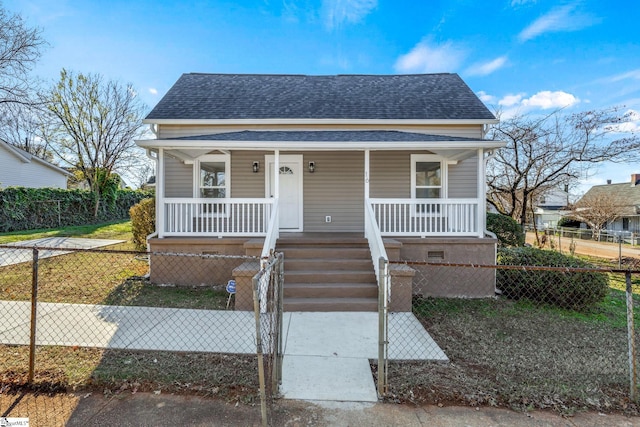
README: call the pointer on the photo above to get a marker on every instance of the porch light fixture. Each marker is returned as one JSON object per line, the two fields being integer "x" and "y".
{"x": 256, "y": 167}
{"x": 312, "y": 167}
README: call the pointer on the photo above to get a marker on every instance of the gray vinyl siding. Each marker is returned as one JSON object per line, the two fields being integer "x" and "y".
{"x": 463, "y": 179}
{"x": 335, "y": 189}
{"x": 178, "y": 178}
{"x": 391, "y": 176}
{"x": 244, "y": 182}
{"x": 176, "y": 131}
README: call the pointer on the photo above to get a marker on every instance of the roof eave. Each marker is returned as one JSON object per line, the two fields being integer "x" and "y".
{"x": 320, "y": 121}
{"x": 317, "y": 145}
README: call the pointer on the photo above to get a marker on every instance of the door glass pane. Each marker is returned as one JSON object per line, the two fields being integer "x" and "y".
{"x": 212, "y": 174}
{"x": 428, "y": 174}
{"x": 427, "y": 193}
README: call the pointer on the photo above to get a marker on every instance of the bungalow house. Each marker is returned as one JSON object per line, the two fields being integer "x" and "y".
{"x": 18, "y": 168}
{"x": 627, "y": 195}
{"x": 334, "y": 171}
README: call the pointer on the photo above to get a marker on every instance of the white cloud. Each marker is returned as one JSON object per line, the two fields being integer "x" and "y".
{"x": 516, "y": 104}
{"x": 485, "y": 97}
{"x": 511, "y": 100}
{"x": 485, "y": 68}
{"x": 633, "y": 75}
{"x": 547, "y": 99}
{"x": 153, "y": 91}
{"x": 563, "y": 18}
{"x": 631, "y": 125}
{"x": 430, "y": 58}
{"x": 337, "y": 12}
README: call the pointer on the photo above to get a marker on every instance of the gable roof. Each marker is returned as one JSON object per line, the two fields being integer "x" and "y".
{"x": 623, "y": 191}
{"x": 26, "y": 157}
{"x": 358, "y": 97}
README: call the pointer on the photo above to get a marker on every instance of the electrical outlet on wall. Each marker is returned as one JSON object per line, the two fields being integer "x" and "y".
{"x": 327, "y": 218}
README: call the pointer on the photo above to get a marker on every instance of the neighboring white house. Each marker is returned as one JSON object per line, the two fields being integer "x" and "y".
{"x": 18, "y": 168}
{"x": 629, "y": 193}
{"x": 550, "y": 207}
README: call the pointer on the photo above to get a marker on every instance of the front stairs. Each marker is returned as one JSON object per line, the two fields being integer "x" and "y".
{"x": 328, "y": 273}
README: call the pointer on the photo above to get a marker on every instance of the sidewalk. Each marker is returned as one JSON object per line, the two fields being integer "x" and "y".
{"x": 147, "y": 409}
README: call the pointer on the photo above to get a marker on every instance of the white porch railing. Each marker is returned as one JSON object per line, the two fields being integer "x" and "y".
{"x": 216, "y": 217}
{"x": 427, "y": 217}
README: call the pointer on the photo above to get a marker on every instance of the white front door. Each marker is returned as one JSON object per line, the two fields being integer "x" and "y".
{"x": 290, "y": 190}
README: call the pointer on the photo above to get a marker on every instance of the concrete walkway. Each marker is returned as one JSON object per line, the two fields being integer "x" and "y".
{"x": 326, "y": 355}
{"x": 19, "y": 255}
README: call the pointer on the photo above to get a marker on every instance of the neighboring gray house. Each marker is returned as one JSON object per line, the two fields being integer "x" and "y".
{"x": 629, "y": 192}
{"x": 18, "y": 168}
{"x": 551, "y": 207}
{"x": 249, "y": 163}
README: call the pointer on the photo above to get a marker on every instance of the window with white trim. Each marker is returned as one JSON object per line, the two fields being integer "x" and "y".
{"x": 212, "y": 179}
{"x": 428, "y": 180}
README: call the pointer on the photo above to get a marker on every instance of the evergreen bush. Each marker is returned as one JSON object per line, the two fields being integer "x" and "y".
{"x": 565, "y": 289}
{"x": 143, "y": 222}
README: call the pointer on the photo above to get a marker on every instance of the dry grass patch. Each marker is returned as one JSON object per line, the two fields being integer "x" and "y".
{"x": 515, "y": 354}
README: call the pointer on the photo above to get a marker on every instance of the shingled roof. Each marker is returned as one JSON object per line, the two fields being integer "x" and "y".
{"x": 626, "y": 192}
{"x": 328, "y": 136}
{"x": 380, "y": 97}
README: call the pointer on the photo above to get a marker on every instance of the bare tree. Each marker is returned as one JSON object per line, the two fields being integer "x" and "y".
{"x": 95, "y": 122}
{"x": 21, "y": 125}
{"x": 598, "y": 208}
{"x": 549, "y": 152}
{"x": 20, "y": 48}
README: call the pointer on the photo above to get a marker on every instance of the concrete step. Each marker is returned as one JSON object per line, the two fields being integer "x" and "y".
{"x": 330, "y": 290}
{"x": 300, "y": 252}
{"x": 328, "y": 264}
{"x": 330, "y": 304}
{"x": 329, "y": 241}
{"x": 330, "y": 276}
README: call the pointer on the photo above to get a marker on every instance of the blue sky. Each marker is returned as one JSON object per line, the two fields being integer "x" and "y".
{"x": 517, "y": 55}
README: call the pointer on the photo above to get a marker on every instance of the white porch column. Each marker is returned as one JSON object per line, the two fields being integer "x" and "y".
{"x": 481, "y": 194}
{"x": 160, "y": 194}
{"x": 276, "y": 174}
{"x": 366, "y": 174}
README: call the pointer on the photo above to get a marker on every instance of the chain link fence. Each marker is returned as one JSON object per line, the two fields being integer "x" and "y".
{"x": 75, "y": 319}
{"x": 514, "y": 335}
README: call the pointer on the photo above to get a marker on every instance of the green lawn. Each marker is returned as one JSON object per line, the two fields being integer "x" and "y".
{"x": 120, "y": 230}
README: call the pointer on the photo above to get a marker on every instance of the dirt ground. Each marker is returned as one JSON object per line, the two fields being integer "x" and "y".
{"x": 592, "y": 248}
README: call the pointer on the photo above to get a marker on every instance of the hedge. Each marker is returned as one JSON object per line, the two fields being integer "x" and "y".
{"x": 565, "y": 289}
{"x": 31, "y": 208}
{"x": 506, "y": 229}
{"x": 143, "y": 222}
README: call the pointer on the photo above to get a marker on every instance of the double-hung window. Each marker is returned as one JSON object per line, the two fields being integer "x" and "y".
{"x": 212, "y": 181}
{"x": 428, "y": 181}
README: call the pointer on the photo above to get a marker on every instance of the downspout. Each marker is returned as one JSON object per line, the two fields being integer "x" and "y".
{"x": 153, "y": 158}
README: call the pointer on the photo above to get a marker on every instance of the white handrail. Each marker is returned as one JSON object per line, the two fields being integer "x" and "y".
{"x": 374, "y": 237}
{"x": 273, "y": 232}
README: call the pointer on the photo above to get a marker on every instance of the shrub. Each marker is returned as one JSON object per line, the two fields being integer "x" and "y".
{"x": 564, "y": 289}
{"x": 507, "y": 229}
{"x": 29, "y": 208}
{"x": 143, "y": 222}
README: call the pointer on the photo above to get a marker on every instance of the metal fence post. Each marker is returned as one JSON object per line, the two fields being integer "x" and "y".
{"x": 631, "y": 339}
{"x": 382, "y": 326}
{"x": 34, "y": 305}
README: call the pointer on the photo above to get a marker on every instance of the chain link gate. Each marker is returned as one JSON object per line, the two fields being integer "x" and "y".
{"x": 268, "y": 307}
